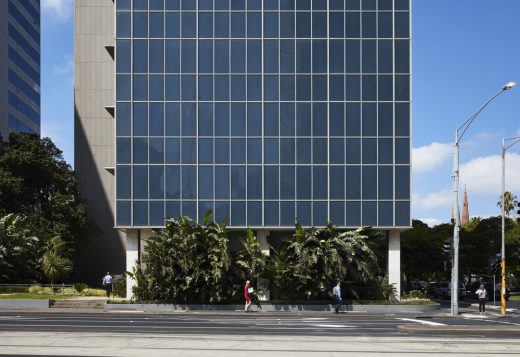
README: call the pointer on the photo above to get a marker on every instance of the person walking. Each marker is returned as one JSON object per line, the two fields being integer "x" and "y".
{"x": 336, "y": 292}
{"x": 482, "y": 296}
{"x": 107, "y": 283}
{"x": 247, "y": 295}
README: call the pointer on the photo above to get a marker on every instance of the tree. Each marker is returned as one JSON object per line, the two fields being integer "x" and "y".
{"x": 19, "y": 250}
{"x": 510, "y": 202}
{"x": 186, "y": 262}
{"x": 250, "y": 260}
{"x": 54, "y": 264}
{"x": 36, "y": 181}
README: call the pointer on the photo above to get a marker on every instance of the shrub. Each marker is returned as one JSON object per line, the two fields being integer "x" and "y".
{"x": 119, "y": 285}
{"x": 79, "y": 287}
{"x": 92, "y": 292}
{"x": 414, "y": 294}
{"x": 38, "y": 289}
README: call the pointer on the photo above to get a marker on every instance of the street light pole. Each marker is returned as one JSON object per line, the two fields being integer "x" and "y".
{"x": 455, "y": 267}
{"x": 503, "y": 250}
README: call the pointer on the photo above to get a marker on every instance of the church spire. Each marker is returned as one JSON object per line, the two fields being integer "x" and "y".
{"x": 465, "y": 210}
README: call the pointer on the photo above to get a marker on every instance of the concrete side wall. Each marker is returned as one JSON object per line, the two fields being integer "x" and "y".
{"x": 94, "y": 137}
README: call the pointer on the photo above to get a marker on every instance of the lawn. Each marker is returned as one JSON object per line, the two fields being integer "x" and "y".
{"x": 514, "y": 298}
{"x": 25, "y": 296}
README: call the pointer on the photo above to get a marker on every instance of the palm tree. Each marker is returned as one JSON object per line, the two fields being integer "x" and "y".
{"x": 56, "y": 266}
{"x": 510, "y": 202}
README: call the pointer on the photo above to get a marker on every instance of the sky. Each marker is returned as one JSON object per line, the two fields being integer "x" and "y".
{"x": 463, "y": 52}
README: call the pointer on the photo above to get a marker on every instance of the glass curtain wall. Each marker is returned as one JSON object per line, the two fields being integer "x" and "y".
{"x": 266, "y": 112}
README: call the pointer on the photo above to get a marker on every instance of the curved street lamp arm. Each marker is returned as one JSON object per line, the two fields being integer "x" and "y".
{"x": 516, "y": 141}
{"x": 468, "y": 122}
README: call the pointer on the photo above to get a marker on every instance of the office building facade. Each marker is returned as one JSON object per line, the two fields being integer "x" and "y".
{"x": 19, "y": 67}
{"x": 265, "y": 112}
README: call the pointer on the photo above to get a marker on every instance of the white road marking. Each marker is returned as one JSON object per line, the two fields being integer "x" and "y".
{"x": 423, "y": 322}
{"x": 334, "y": 326}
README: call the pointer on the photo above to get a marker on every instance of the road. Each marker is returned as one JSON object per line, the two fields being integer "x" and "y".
{"x": 234, "y": 334}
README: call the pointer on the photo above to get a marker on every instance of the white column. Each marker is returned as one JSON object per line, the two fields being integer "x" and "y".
{"x": 394, "y": 260}
{"x": 261, "y": 236}
{"x": 132, "y": 255}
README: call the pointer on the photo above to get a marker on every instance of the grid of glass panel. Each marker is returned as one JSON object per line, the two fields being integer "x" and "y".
{"x": 265, "y": 112}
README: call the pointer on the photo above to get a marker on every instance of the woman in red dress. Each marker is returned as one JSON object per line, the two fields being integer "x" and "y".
{"x": 247, "y": 295}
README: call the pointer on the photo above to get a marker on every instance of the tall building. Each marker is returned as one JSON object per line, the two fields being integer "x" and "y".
{"x": 266, "y": 112}
{"x": 19, "y": 67}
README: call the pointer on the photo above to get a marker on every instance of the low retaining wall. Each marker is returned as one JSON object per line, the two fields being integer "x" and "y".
{"x": 25, "y": 304}
{"x": 388, "y": 309}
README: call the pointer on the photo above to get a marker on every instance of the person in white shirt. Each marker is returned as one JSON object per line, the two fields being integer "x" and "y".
{"x": 107, "y": 283}
{"x": 482, "y": 295}
{"x": 336, "y": 292}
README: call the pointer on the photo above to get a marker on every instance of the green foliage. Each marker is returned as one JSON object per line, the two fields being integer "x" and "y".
{"x": 310, "y": 264}
{"x": 510, "y": 202}
{"x": 119, "y": 285}
{"x": 79, "y": 287}
{"x": 414, "y": 294}
{"x": 19, "y": 250}
{"x": 37, "y": 183}
{"x": 186, "y": 262}
{"x": 55, "y": 265}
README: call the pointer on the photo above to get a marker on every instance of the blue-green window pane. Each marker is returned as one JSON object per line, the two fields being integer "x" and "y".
{"x": 353, "y": 24}
{"x": 156, "y": 24}
{"x": 337, "y": 151}
{"x": 140, "y": 59}
{"x": 336, "y": 25}
{"x": 221, "y": 56}
{"x": 140, "y": 119}
{"x": 402, "y": 151}
{"x": 123, "y": 85}
{"x": 172, "y": 22}
{"x": 124, "y": 213}
{"x": 402, "y": 182}
{"x": 369, "y": 215}
{"x": 402, "y": 56}
{"x": 402, "y": 87}
{"x": 173, "y": 151}
{"x": 188, "y": 55}
{"x": 402, "y": 25}
{"x": 124, "y": 182}
{"x": 123, "y": 56}
{"x": 189, "y": 179}
{"x": 303, "y": 24}
{"x": 303, "y": 213}
{"x": 173, "y": 87}
{"x": 205, "y": 24}
{"x": 271, "y": 182}
{"x": 140, "y": 87}
{"x": 336, "y": 119}
{"x": 254, "y": 119}
{"x": 303, "y": 119}
{"x": 385, "y": 152}
{"x": 319, "y": 56}
{"x": 222, "y": 119}
{"x": 271, "y": 24}
{"x": 205, "y": 206}
{"x": 205, "y": 88}
{"x": 287, "y": 180}
{"x": 353, "y": 151}
{"x": 188, "y": 87}
{"x": 238, "y": 213}
{"x": 254, "y": 151}
{"x": 353, "y": 87}
{"x": 172, "y": 54}
{"x": 123, "y": 119}
{"x": 238, "y": 24}
{"x": 319, "y": 88}
{"x": 337, "y": 213}
{"x": 287, "y": 151}
{"x": 386, "y": 182}
{"x": 287, "y": 24}
{"x": 271, "y": 151}
{"x": 221, "y": 24}
{"x": 173, "y": 183}
{"x": 337, "y": 56}
{"x": 353, "y": 213}
{"x": 303, "y": 182}
{"x": 319, "y": 151}
{"x": 189, "y": 208}
{"x": 222, "y": 182}
{"x": 385, "y": 119}
{"x": 205, "y": 56}
{"x": 402, "y": 119}
{"x": 172, "y": 119}
{"x": 353, "y": 182}
{"x": 353, "y": 119}
{"x": 337, "y": 182}
{"x": 254, "y": 24}
{"x": 271, "y": 213}
{"x": 221, "y": 211}
{"x": 402, "y": 213}
{"x": 123, "y": 24}
{"x": 188, "y": 119}
{"x": 205, "y": 151}
{"x": 319, "y": 182}
{"x": 238, "y": 151}
{"x": 205, "y": 180}
{"x": 271, "y": 85}
{"x": 173, "y": 209}
{"x": 156, "y": 88}
{"x": 287, "y": 124}
{"x": 368, "y": 24}
{"x": 238, "y": 119}
{"x": 140, "y": 24}
{"x": 303, "y": 151}
{"x": 238, "y": 87}
{"x": 369, "y": 119}
{"x": 386, "y": 213}
{"x": 156, "y": 151}
{"x": 221, "y": 88}
{"x": 287, "y": 90}
{"x": 140, "y": 150}
{"x": 369, "y": 151}
{"x": 140, "y": 183}
{"x": 205, "y": 119}
{"x": 189, "y": 151}
{"x": 222, "y": 151}
{"x": 157, "y": 213}
{"x": 156, "y": 182}
{"x": 287, "y": 213}
{"x": 254, "y": 88}
{"x": 156, "y": 119}
{"x": 254, "y": 182}
{"x": 352, "y": 56}
{"x": 319, "y": 119}
{"x": 319, "y": 213}
{"x": 188, "y": 24}
{"x": 369, "y": 174}
{"x": 238, "y": 182}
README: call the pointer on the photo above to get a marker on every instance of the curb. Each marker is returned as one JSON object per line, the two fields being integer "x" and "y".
{"x": 460, "y": 329}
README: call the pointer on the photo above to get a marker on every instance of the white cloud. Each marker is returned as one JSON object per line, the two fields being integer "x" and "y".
{"x": 483, "y": 175}
{"x": 59, "y": 9}
{"x": 431, "y": 222}
{"x": 429, "y": 157}
{"x": 433, "y": 200}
